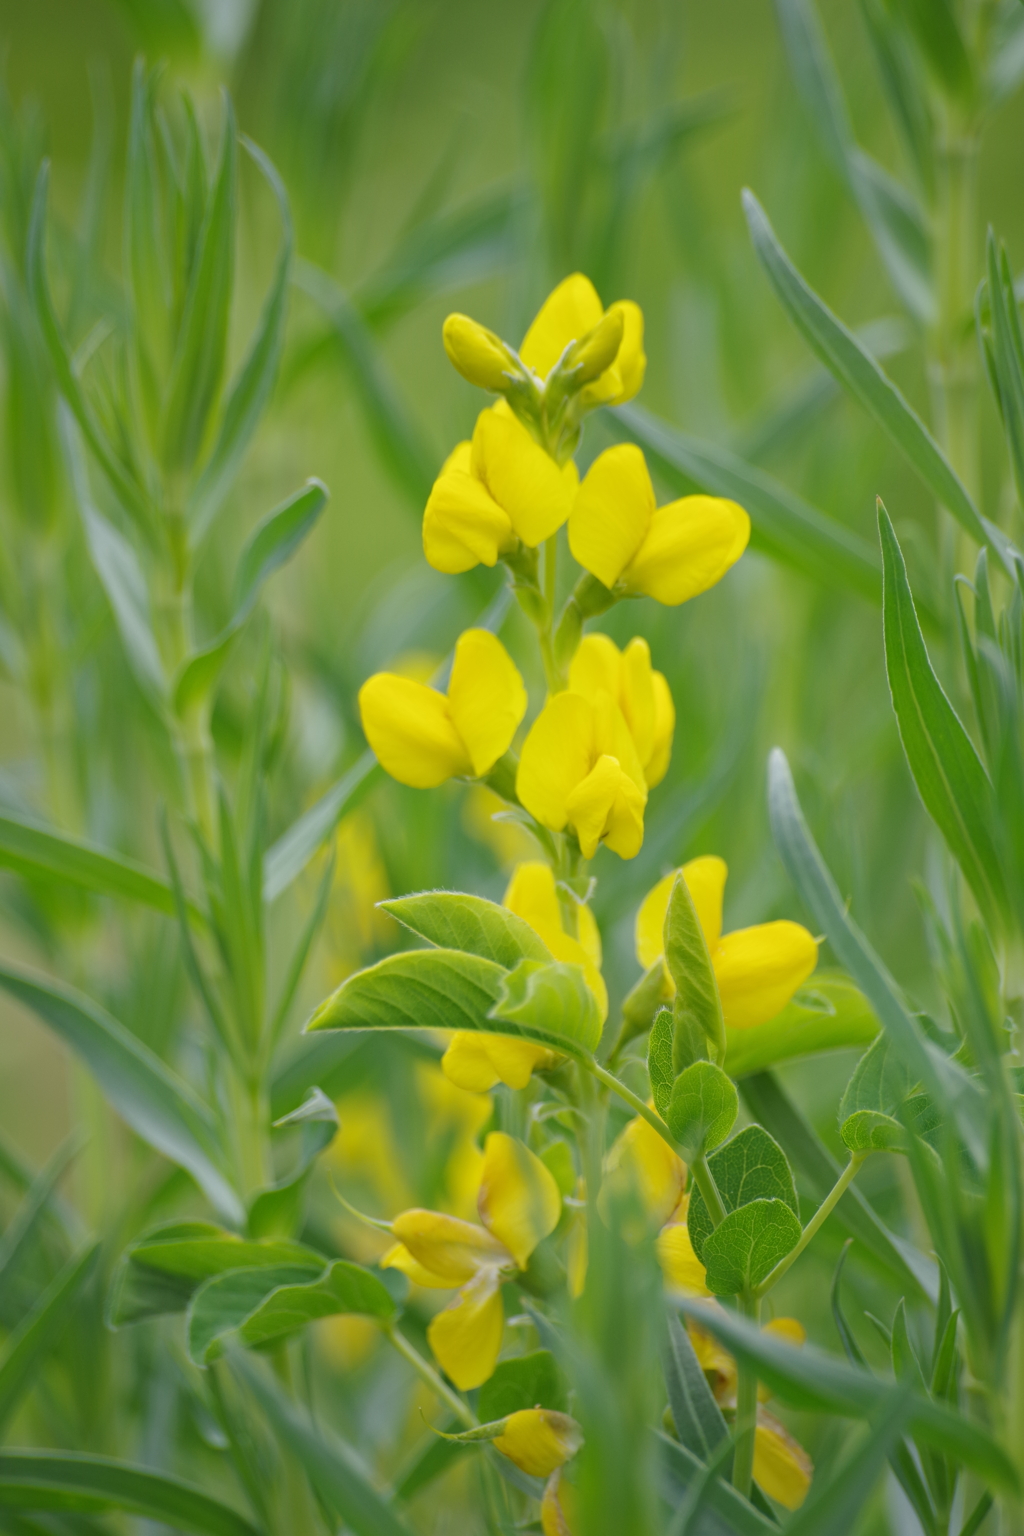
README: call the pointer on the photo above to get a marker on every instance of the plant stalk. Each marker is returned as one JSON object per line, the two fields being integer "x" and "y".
{"x": 433, "y": 1379}
{"x": 819, "y": 1218}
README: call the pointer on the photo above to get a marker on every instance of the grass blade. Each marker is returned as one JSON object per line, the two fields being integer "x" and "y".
{"x": 35, "y": 1336}
{"x": 833, "y": 1507}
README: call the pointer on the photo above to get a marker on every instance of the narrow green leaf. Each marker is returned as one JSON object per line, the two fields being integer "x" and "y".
{"x": 551, "y": 999}
{"x": 77, "y": 1482}
{"x": 26, "y": 1348}
{"x": 835, "y": 1507}
{"x": 659, "y": 1060}
{"x": 526, "y": 1381}
{"x": 703, "y": 1108}
{"x": 159, "y": 1106}
{"x": 38, "y": 1202}
{"x": 452, "y": 920}
{"x": 698, "y": 1025}
{"x": 697, "y": 1417}
{"x": 750, "y": 1167}
{"x": 729, "y": 1510}
{"x": 745, "y": 1248}
{"x": 1007, "y": 356}
{"x": 948, "y": 773}
{"x": 287, "y": 858}
{"x": 857, "y": 371}
{"x": 784, "y": 526}
{"x": 829, "y": 1013}
{"x": 330, "y": 1465}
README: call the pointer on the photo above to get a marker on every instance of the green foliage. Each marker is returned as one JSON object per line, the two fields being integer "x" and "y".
{"x": 526, "y": 1381}
{"x": 698, "y": 1026}
{"x": 452, "y": 920}
{"x": 702, "y": 1109}
{"x": 745, "y": 1248}
{"x": 751, "y": 1167}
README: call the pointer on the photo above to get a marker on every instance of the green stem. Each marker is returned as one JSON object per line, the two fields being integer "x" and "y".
{"x": 820, "y": 1216}
{"x": 746, "y": 1409}
{"x": 705, "y": 1181}
{"x": 249, "y": 1118}
{"x": 426, "y": 1373}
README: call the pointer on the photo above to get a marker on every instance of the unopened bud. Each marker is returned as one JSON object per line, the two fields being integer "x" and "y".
{"x": 479, "y": 355}
{"x": 597, "y": 350}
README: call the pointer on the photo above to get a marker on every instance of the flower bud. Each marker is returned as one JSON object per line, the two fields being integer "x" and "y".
{"x": 478, "y": 354}
{"x": 598, "y": 349}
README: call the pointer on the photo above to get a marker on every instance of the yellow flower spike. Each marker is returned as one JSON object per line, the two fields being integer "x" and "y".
{"x": 644, "y": 1158}
{"x": 533, "y": 896}
{"x": 705, "y": 880}
{"x": 782, "y": 1468}
{"x": 519, "y": 1201}
{"x": 539, "y": 1440}
{"x": 670, "y": 553}
{"x": 477, "y": 353}
{"x": 524, "y": 481}
{"x": 422, "y": 737}
{"x": 579, "y": 768}
{"x": 452, "y": 1249}
{"x": 476, "y": 1061}
{"x": 463, "y": 525}
{"x": 571, "y": 312}
{"x": 466, "y": 1335}
{"x": 558, "y": 1507}
{"x": 641, "y": 693}
{"x": 758, "y": 970}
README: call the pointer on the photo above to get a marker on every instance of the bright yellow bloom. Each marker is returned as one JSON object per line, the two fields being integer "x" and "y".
{"x": 757, "y": 969}
{"x": 645, "y": 1160}
{"x": 681, "y": 1267}
{"x": 491, "y": 492}
{"x": 422, "y": 737}
{"x": 479, "y": 355}
{"x": 519, "y": 1205}
{"x": 619, "y": 534}
{"x": 476, "y": 1060}
{"x": 579, "y": 768}
{"x": 641, "y": 693}
{"x": 558, "y": 1507}
{"x": 570, "y": 313}
{"x": 539, "y": 1440}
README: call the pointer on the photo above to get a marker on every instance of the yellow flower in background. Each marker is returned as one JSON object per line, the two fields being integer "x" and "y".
{"x": 558, "y": 1507}
{"x": 355, "y": 925}
{"x": 757, "y": 969}
{"x": 539, "y": 1440}
{"x": 643, "y": 1159}
{"x": 454, "y": 1118}
{"x": 641, "y": 693}
{"x": 579, "y": 768}
{"x": 519, "y": 1205}
{"x": 572, "y": 312}
{"x": 422, "y": 737}
{"x": 619, "y": 534}
{"x": 477, "y": 1060}
{"x": 500, "y": 488}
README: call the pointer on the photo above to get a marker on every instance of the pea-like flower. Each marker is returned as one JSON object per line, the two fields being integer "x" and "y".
{"x": 757, "y": 969}
{"x": 539, "y": 1440}
{"x": 573, "y": 312}
{"x": 422, "y": 737}
{"x": 475, "y": 1060}
{"x": 579, "y": 768}
{"x": 493, "y": 492}
{"x": 619, "y": 534}
{"x": 641, "y": 693}
{"x": 519, "y": 1205}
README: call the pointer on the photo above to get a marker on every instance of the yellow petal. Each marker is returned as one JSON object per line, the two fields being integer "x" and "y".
{"x": 631, "y": 361}
{"x": 596, "y": 664}
{"x": 705, "y": 880}
{"x": 591, "y": 803}
{"x": 714, "y": 1361}
{"x": 478, "y": 1061}
{"x": 689, "y": 545}
{"x": 787, "y": 1328}
{"x": 466, "y": 1336}
{"x": 644, "y": 1158}
{"x": 524, "y": 480}
{"x": 532, "y": 896}
{"x": 463, "y": 525}
{"x": 449, "y": 1248}
{"x": 612, "y": 512}
{"x": 576, "y": 1255}
{"x": 486, "y": 697}
{"x": 476, "y": 353}
{"x": 568, "y": 313}
{"x": 539, "y": 1439}
{"x": 410, "y": 729}
{"x": 519, "y": 1201}
{"x": 558, "y": 1507}
{"x": 612, "y": 737}
{"x": 782, "y": 1468}
{"x": 556, "y": 756}
{"x": 399, "y": 1257}
{"x": 758, "y": 970}
{"x": 681, "y": 1267}
{"x": 637, "y": 697}
{"x": 467, "y": 1064}
{"x": 589, "y": 936}
{"x": 656, "y": 765}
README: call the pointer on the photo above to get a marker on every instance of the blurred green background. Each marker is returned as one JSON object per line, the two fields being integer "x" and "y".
{"x": 438, "y": 156}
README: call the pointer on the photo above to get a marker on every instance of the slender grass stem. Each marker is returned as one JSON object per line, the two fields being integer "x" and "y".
{"x": 425, "y": 1371}
{"x": 824, "y": 1210}
{"x": 746, "y": 1408}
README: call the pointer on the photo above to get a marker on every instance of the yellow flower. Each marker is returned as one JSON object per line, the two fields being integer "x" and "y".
{"x": 519, "y": 1205}
{"x": 476, "y": 1060}
{"x": 672, "y": 553}
{"x": 569, "y": 314}
{"x": 422, "y": 737}
{"x": 645, "y": 1159}
{"x": 539, "y": 1440}
{"x": 579, "y": 768}
{"x": 491, "y": 492}
{"x": 479, "y": 355}
{"x": 557, "y": 1506}
{"x": 641, "y": 693}
{"x": 757, "y": 969}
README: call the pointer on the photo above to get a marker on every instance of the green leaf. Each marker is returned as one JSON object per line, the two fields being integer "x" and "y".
{"x": 332, "y": 1468}
{"x": 816, "y": 1382}
{"x": 857, "y": 371}
{"x": 28, "y": 1345}
{"x": 703, "y": 1108}
{"x": 947, "y": 770}
{"x": 745, "y": 1248}
{"x": 526, "y": 1381}
{"x": 937, "y": 31}
{"x": 835, "y": 1506}
{"x": 276, "y": 1211}
{"x": 416, "y": 989}
{"x": 39, "y": 1203}
{"x": 550, "y": 999}
{"x": 428, "y": 1460}
{"x": 159, "y": 1106}
{"x": 784, "y": 526}
{"x": 271, "y": 544}
{"x": 221, "y": 1303}
{"x": 1005, "y": 354}
{"x": 161, "y": 1271}
{"x": 287, "y": 858}
{"x": 729, "y": 1510}
{"x": 699, "y": 1029}
{"x": 659, "y": 1061}
{"x": 869, "y": 1131}
{"x": 827, "y": 1014}
{"x": 697, "y": 1417}
{"x": 750, "y": 1167}
{"x": 880, "y": 1081}
{"x": 79, "y": 1483}
{"x": 452, "y": 920}
{"x": 250, "y": 391}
